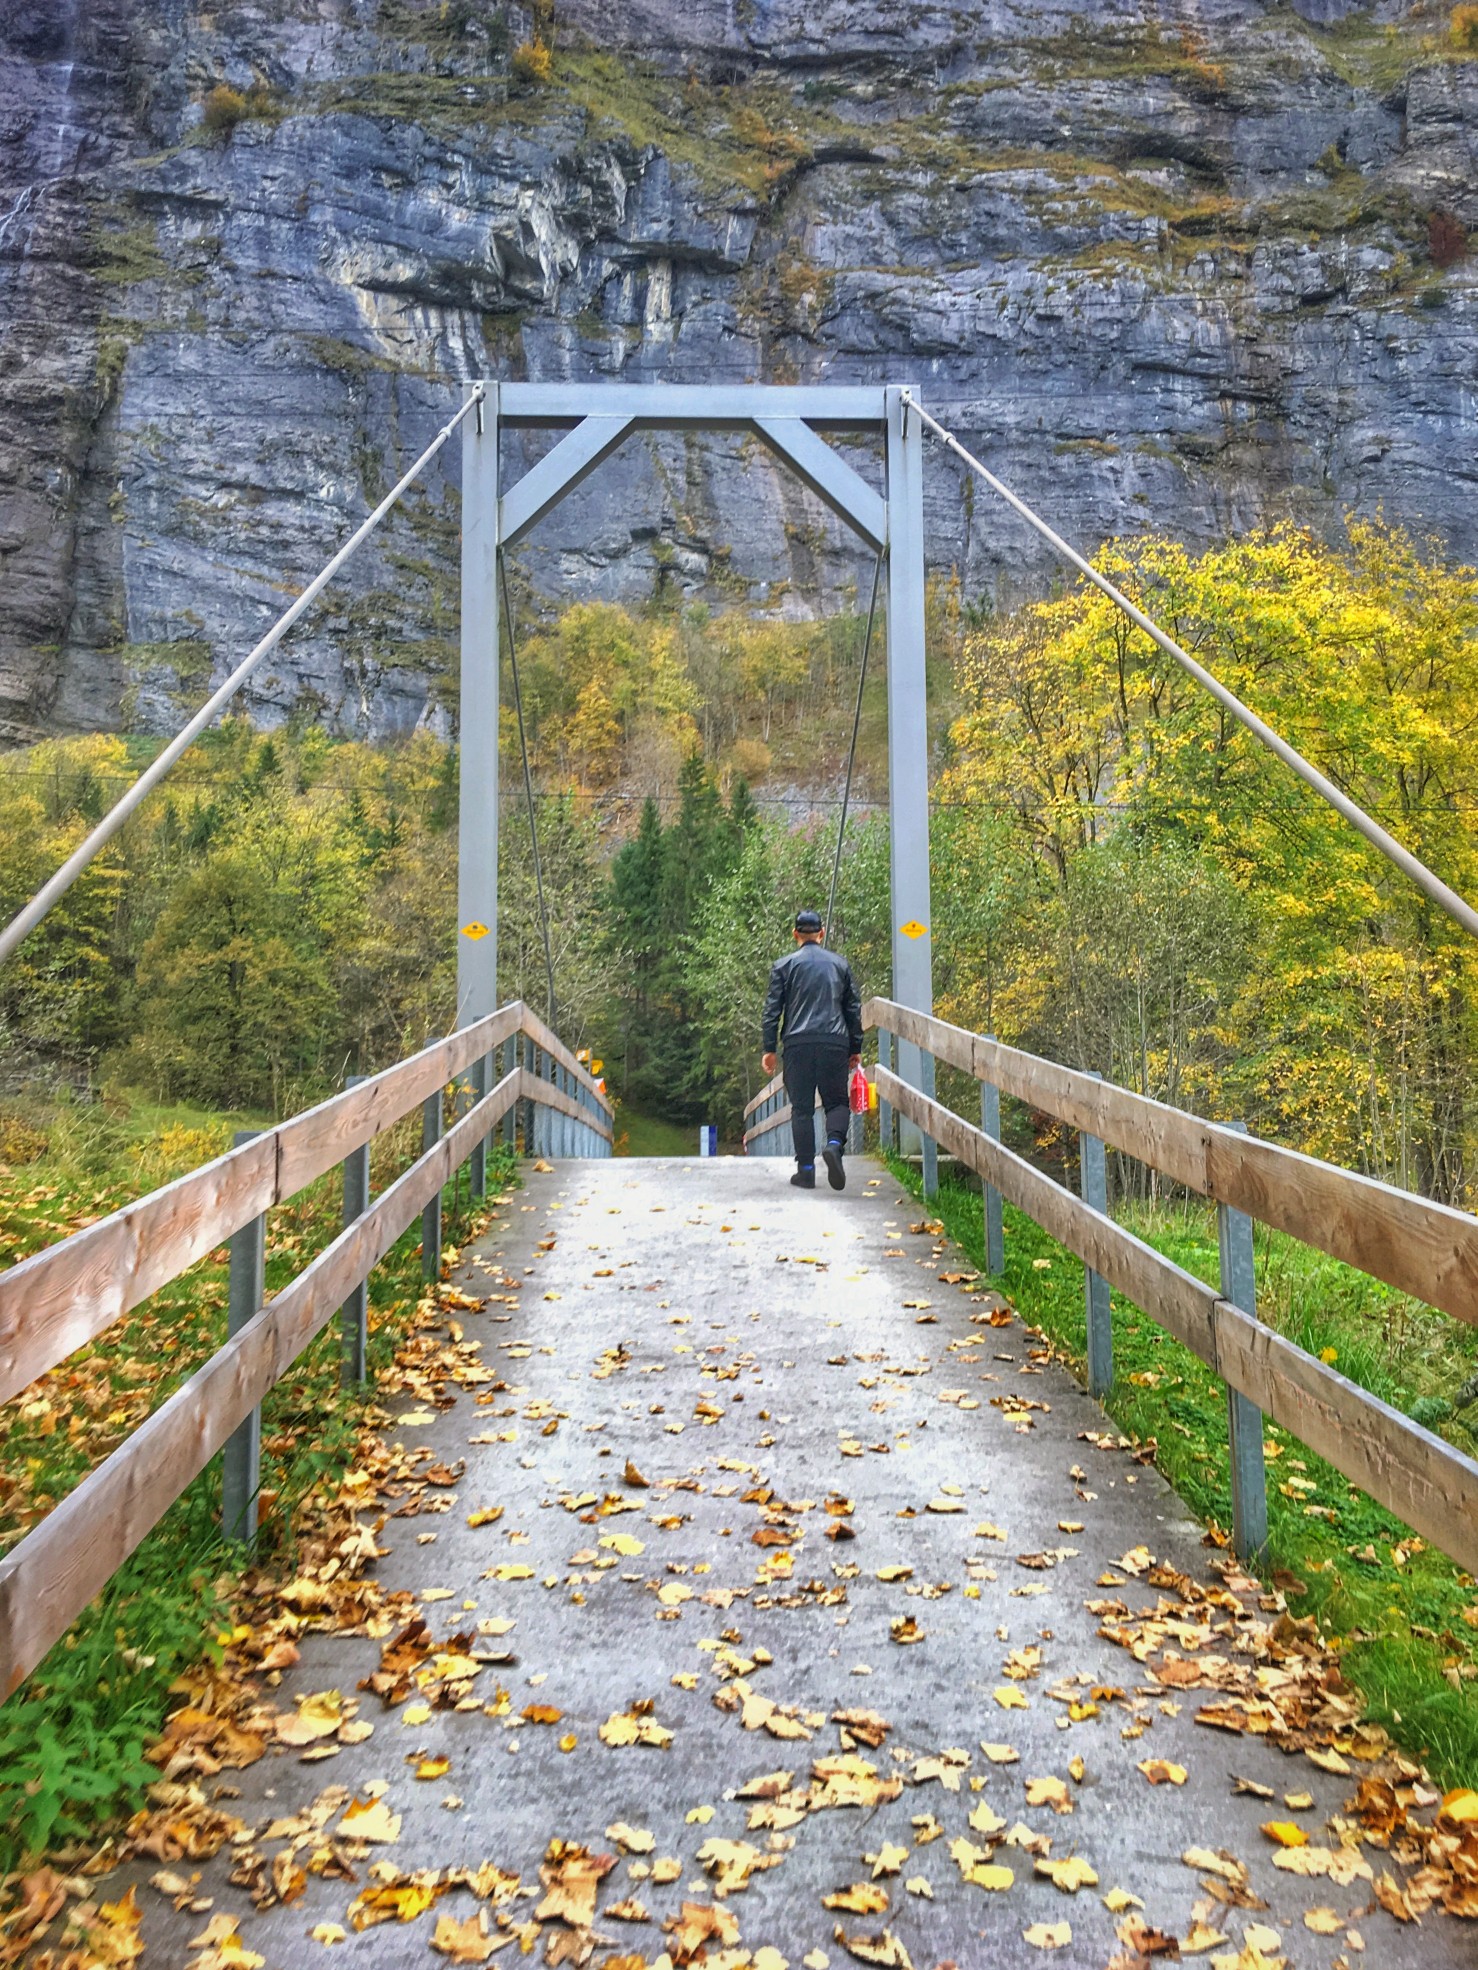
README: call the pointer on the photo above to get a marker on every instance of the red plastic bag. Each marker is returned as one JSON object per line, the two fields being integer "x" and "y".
{"x": 858, "y": 1091}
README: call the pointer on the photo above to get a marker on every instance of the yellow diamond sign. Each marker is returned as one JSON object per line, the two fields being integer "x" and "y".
{"x": 913, "y": 928}
{"x": 474, "y": 930}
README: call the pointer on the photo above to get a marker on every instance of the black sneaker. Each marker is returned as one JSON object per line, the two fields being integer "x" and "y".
{"x": 804, "y": 1179}
{"x": 832, "y": 1157}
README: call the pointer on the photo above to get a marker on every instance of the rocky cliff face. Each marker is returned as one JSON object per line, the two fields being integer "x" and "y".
{"x": 1188, "y": 267}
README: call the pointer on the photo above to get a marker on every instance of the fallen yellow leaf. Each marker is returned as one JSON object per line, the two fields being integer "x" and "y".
{"x": 862, "y": 1898}
{"x": 1161, "y": 1771}
{"x": 1285, "y": 1833}
{"x": 370, "y": 1819}
{"x": 1048, "y": 1935}
{"x": 1069, "y": 1874}
{"x": 465, "y": 1942}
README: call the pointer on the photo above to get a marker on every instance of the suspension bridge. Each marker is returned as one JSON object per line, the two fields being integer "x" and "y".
{"x": 738, "y": 1581}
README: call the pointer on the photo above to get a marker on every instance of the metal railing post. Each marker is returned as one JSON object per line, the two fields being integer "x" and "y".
{"x": 930, "y": 1146}
{"x": 354, "y": 1313}
{"x": 995, "y": 1229}
{"x": 1093, "y": 1175}
{"x": 477, "y": 1162}
{"x": 431, "y": 1216}
{"x": 1244, "y": 1418}
{"x": 885, "y": 1109}
{"x": 241, "y": 1458}
{"x": 510, "y": 1120}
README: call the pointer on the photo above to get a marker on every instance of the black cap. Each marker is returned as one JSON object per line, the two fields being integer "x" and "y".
{"x": 808, "y": 920}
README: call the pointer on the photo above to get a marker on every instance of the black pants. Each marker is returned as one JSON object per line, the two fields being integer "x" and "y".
{"x": 815, "y": 1067}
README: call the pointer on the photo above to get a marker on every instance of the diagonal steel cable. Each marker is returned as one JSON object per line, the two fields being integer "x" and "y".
{"x": 51, "y": 892}
{"x": 836, "y": 865}
{"x": 1461, "y": 911}
{"x": 528, "y": 786}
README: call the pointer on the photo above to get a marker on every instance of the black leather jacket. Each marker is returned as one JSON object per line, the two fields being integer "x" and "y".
{"x": 812, "y": 994}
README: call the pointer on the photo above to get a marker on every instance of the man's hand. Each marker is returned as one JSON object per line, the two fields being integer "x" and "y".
{"x": 769, "y": 1062}
{"x": 854, "y": 1060}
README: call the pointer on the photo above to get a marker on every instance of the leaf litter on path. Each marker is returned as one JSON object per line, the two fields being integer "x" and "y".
{"x": 1208, "y": 1639}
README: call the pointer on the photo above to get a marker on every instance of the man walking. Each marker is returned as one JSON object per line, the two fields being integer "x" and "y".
{"x": 813, "y": 1000}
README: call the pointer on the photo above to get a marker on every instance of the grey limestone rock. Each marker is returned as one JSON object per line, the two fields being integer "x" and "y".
{"x": 1194, "y": 267}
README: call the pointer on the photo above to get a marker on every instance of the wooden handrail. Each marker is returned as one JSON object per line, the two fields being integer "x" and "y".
{"x": 48, "y": 1578}
{"x": 1409, "y": 1470}
{"x": 61, "y": 1298}
{"x": 1420, "y": 1247}
{"x": 772, "y": 1086}
{"x": 531, "y": 1024}
{"x": 72, "y": 1291}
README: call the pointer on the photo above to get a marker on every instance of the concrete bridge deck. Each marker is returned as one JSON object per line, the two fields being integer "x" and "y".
{"x": 750, "y": 1464}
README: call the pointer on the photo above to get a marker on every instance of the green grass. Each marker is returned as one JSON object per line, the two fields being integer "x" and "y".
{"x": 649, "y": 1135}
{"x": 72, "y": 1738}
{"x": 1405, "y": 1621}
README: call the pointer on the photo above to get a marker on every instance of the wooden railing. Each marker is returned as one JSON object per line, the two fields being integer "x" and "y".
{"x": 767, "y": 1113}
{"x": 1420, "y": 1247}
{"x": 63, "y": 1297}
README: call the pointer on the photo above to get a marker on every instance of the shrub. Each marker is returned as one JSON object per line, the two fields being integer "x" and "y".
{"x": 19, "y": 1142}
{"x": 533, "y": 62}
{"x": 750, "y": 760}
{"x": 1447, "y": 241}
{"x": 224, "y": 109}
{"x": 1431, "y": 1411}
{"x": 1464, "y": 27}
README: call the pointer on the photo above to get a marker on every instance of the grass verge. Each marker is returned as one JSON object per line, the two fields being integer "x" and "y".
{"x": 1403, "y": 1617}
{"x": 649, "y": 1135}
{"x": 72, "y": 1738}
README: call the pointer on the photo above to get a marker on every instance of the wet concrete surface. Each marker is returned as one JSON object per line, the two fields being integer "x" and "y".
{"x": 691, "y": 1271}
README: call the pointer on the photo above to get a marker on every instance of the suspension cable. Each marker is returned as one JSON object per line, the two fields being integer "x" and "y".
{"x": 1432, "y": 885}
{"x": 528, "y": 787}
{"x": 51, "y": 892}
{"x": 836, "y": 865}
